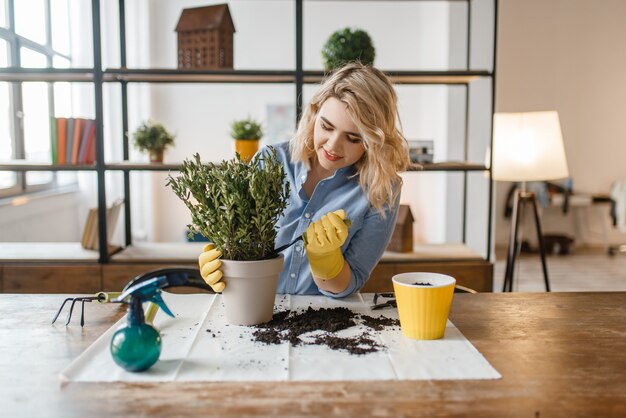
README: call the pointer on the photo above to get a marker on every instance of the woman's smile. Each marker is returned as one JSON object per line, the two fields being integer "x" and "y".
{"x": 330, "y": 156}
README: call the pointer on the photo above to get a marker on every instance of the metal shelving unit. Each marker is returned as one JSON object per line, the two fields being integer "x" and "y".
{"x": 22, "y": 165}
{"x": 123, "y": 75}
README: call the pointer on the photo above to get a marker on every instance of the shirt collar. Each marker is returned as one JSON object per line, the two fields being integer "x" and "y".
{"x": 341, "y": 175}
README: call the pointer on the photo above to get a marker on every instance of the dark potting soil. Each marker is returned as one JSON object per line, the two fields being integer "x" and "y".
{"x": 361, "y": 344}
{"x": 291, "y": 325}
{"x": 379, "y": 323}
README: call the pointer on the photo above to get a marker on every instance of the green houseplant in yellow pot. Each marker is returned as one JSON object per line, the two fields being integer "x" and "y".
{"x": 153, "y": 138}
{"x": 246, "y": 133}
{"x": 236, "y": 205}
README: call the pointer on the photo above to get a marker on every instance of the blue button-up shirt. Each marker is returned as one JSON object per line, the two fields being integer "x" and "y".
{"x": 367, "y": 237}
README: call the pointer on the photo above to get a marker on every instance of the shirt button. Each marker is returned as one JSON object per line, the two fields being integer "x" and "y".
{"x": 307, "y": 215}
{"x": 293, "y": 275}
{"x": 298, "y": 248}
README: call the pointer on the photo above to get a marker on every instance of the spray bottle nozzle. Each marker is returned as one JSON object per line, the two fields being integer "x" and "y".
{"x": 148, "y": 291}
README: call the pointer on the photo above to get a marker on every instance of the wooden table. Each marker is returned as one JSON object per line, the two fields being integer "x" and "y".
{"x": 560, "y": 355}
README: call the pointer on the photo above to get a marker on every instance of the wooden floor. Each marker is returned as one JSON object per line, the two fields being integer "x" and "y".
{"x": 586, "y": 269}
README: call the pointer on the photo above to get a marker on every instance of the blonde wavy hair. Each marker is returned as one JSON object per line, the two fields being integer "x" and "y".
{"x": 372, "y": 104}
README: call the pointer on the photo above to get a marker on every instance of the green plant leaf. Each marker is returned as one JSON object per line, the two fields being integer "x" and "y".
{"x": 348, "y": 45}
{"x": 236, "y": 205}
{"x": 246, "y": 129}
{"x": 151, "y": 136}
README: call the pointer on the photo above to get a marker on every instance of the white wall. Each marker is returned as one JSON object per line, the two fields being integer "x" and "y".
{"x": 406, "y": 35}
{"x": 568, "y": 55}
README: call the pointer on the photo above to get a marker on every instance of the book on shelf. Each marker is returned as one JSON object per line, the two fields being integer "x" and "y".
{"x": 89, "y": 131}
{"x": 61, "y": 139}
{"x": 90, "y": 152}
{"x": 72, "y": 140}
{"x": 90, "y": 239}
{"x": 78, "y": 134}
{"x": 53, "y": 139}
{"x": 69, "y": 140}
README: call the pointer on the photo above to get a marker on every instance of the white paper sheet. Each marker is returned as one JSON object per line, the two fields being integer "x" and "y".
{"x": 199, "y": 345}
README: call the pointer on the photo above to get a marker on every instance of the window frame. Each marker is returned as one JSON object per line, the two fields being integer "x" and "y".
{"x": 15, "y": 43}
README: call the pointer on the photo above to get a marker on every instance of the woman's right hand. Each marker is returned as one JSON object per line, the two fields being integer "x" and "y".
{"x": 210, "y": 263}
{"x": 324, "y": 239}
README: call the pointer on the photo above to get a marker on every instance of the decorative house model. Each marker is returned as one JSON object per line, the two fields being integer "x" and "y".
{"x": 205, "y": 38}
{"x": 402, "y": 237}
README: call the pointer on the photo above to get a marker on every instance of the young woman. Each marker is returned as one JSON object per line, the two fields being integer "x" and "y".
{"x": 343, "y": 162}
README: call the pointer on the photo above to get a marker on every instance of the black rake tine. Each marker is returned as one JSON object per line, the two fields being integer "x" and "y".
{"x": 69, "y": 316}
{"x": 60, "y": 309}
{"x": 82, "y": 313}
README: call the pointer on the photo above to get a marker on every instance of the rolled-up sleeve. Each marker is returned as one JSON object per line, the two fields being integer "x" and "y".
{"x": 366, "y": 248}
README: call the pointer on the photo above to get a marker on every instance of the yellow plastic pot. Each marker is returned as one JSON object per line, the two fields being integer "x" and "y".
{"x": 424, "y": 301}
{"x": 246, "y": 148}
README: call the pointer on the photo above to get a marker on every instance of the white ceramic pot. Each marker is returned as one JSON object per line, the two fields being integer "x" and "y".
{"x": 250, "y": 290}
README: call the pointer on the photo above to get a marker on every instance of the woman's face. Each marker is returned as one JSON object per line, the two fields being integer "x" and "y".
{"x": 336, "y": 139}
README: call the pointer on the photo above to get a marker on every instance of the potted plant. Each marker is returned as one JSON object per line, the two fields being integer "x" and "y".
{"x": 348, "y": 45}
{"x": 154, "y": 138}
{"x": 246, "y": 133}
{"x": 236, "y": 206}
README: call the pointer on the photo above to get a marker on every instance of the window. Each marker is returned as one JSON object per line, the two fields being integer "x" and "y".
{"x": 3, "y": 14}
{"x": 32, "y": 35}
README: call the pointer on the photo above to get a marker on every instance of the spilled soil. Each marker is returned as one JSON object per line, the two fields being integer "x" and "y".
{"x": 323, "y": 323}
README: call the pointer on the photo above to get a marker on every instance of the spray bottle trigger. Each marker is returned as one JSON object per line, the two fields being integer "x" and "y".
{"x": 159, "y": 301}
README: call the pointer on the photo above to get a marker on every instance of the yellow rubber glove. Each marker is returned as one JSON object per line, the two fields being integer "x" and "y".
{"x": 209, "y": 262}
{"x": 324, "y": 239}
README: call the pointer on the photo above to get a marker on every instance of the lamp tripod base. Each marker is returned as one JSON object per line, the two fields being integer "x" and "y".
{"x": 522, "y": 198}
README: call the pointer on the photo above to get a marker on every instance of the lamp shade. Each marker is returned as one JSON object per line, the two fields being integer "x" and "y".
{"x": 528, "y": 147}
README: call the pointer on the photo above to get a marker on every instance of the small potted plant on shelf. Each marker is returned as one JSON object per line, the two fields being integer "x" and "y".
{"x": 236, "y": 204}
{"x": 154, "y": 138}
{"x": 246, "y": 133}
{"x": 348, "y": 45}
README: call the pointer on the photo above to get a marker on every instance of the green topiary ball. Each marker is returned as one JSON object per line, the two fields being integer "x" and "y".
{"x": 347, "y": 45}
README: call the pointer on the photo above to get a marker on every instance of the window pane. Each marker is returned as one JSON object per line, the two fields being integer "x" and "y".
{"x": 62, "y": 99}
{"x": 30, "y": 20}
{"x": 32, "y": 59}
{"x": 36, "y": 130}
{"x": 36, "y": 122}
{"x": 66, "y": 177}
{"x": 60, "y": 62}
{"x": 3, "y": 14}
{"x": 8, "y": 179}
{"x": 59, "y": 17}
{"x": 4, "y": 53}
{"x": 37, "y": 178}
{"x": 6, "y": 135}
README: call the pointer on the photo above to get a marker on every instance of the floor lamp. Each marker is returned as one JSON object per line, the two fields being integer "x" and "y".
{"x": 527, "y": 147}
